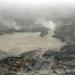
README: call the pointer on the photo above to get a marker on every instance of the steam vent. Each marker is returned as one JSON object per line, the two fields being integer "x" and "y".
{"x": 37, "y": 37}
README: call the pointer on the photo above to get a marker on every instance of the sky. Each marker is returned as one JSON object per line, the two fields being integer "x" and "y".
{"x": 36, "y": 4}
{"x": 32, "y": 3}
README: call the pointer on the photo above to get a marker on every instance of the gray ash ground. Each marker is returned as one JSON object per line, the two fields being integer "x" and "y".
{"x": 50, "y": 63}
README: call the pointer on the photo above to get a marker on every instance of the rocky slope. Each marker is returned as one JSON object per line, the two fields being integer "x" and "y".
{"x": 49, "y": 63}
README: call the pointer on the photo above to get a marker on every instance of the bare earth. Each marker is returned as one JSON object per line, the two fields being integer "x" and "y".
{"x": 23, "y": 42}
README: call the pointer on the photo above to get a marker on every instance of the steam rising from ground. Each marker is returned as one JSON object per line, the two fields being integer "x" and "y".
{"x": 34, "y": 18}
{"x": 48, "y": 24}
{"x": 38, "y": 19}
{"x": 8, "y": 24}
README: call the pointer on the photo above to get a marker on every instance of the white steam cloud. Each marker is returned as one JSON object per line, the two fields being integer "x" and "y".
{"x": 48, "y": 24}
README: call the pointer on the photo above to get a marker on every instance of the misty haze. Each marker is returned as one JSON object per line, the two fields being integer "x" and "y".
{"x": 37, "y": 37}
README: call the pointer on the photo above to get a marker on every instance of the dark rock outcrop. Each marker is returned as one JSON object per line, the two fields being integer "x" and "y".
{"x": 55, "y": 62}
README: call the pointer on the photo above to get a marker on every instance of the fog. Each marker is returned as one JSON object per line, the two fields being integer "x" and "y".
{"x": 23, "y": 15}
